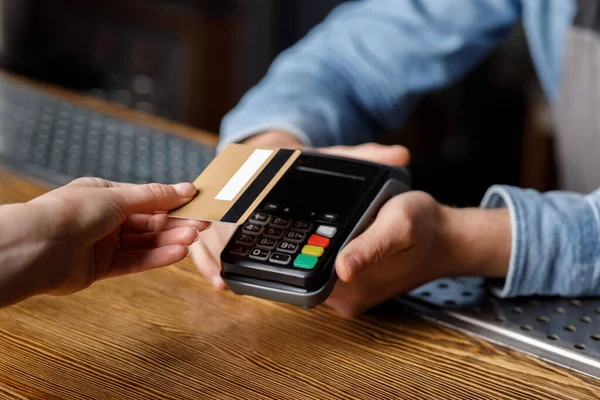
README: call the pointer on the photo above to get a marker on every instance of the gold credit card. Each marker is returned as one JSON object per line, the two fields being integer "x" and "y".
{"x": 236, "y": 182}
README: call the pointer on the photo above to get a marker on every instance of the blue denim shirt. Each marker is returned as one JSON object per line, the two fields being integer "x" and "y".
{"x": 360, "y": 72}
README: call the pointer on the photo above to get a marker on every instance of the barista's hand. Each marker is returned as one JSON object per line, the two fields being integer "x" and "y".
{"x": 206, "y": 252}
{"x": 414, "y": 240}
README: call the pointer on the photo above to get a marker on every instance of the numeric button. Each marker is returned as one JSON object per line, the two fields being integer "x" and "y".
{"x": 259, "y": 254}
{"x": 266, "y": 243}
{"x": 288, "y": 247}
{"x": 280, "y": 222}
{"x": 247, "y": 240}
{"x": 301, "y": 226}
{"x": 252, "y": 229}
{"x": 295, "y": 236}
{"x": 273, "y": 233}
{"x": 260, "y": 218}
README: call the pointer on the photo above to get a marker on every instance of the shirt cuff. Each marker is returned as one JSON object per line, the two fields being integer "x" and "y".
{"x": 555, "y": 237}
{"x": 499, "y": 197}
{"x": 244, "y": 134}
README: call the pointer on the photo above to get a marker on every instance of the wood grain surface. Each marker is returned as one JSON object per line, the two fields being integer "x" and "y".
{"x": 167, "y": 334}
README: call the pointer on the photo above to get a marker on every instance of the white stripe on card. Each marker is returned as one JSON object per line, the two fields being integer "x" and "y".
{"x": 243, "y": 175}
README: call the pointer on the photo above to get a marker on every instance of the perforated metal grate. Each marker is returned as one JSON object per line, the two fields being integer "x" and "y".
{"x": 57, "y": 141}
{"x": 562, "y": 331}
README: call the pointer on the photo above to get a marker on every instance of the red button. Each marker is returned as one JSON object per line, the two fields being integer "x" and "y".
{"x": 318, "y": 240}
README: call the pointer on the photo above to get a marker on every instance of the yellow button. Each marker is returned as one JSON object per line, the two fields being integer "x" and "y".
{"x": 311, "y": 250}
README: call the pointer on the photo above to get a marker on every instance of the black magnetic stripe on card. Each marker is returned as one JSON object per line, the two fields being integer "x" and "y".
{"x": 255, "y": 189}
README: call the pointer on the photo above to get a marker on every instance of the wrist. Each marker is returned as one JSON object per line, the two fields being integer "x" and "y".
{"x": 281, "y": 139}
{"x": 22, "y": 254}
{"x": 479, "y": 241}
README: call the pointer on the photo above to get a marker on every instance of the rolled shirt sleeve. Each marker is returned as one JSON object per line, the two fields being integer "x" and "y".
{"x": 555, "y": 248}
{"x": 361, "y": 70}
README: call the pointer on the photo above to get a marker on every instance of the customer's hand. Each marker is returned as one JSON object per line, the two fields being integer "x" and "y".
{"x": 414, "y": 240}
{"x": 207, "y": 252}
{"x": 92, "y": 229}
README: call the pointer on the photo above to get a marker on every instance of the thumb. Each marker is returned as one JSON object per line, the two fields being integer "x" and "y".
{"x": 387, "y": 235}
{"x": 153, "y": 197}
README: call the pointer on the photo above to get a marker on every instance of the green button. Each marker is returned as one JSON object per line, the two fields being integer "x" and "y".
{"x": 305, "y": 261}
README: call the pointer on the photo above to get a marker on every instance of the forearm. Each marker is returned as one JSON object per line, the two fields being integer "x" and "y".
{"x": 360, "y": 72}
{"x": 20, "y": 253}
{"x": 480, "y": 241}
{"x": 280, "y": 139}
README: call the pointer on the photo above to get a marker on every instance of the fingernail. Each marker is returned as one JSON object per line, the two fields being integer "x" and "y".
{"x": 353, "y": 266}
{"x": 197, "y": 235}
{"x": 185, "y": 189}
{"x": 189, "y": 250}
{"x": 208, "y": 226}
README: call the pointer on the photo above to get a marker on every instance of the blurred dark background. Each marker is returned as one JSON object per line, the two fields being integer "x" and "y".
{"x": 191, "y": 60}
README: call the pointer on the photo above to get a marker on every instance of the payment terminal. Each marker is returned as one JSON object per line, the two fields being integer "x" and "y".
{"x": 286, "y": 249}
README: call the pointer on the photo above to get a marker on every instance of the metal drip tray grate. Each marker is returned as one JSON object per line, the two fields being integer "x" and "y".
{"x": 57, "y": 141}
{"x": 561, "y": 331}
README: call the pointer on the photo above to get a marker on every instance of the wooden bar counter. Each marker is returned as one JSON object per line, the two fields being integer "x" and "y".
{"x": 167, "y": 334}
